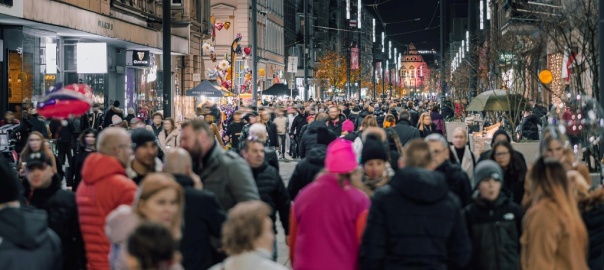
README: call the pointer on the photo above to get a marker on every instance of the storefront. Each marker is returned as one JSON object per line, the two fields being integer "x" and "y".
{"x": 43, "y": 48}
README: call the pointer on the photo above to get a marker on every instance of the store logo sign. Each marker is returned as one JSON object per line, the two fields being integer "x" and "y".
{"x": 141, "y": 58}
{"x": 105, "y": 25}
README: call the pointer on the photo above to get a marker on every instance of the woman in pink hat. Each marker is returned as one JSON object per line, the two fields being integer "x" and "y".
{"x": 328, "y": 218}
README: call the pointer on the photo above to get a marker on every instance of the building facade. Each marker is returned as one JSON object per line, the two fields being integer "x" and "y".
{"x": 270, "y": 48}
{"x": 114, "y": 46}
{"x": 414, "y": 73}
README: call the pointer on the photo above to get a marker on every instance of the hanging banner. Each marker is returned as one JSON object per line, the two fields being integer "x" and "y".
{"x": 354, "y": 58}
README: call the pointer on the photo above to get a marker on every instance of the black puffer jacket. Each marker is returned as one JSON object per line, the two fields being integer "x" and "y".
{"x": 27, "y": 241}
{"x": 272, "y": 191}
{"x": 530, "y": 127}
{"x": 62, "y": 219}
{"x": 200, "y": 225}
{"x": 309, "y": 138}
{"x": 360, "y": 118}
{"x": 405, "y": 131}
{"x": 495, "y": 229}
{"x": 592, "y": 212}
{"x": 415, "y": 223}
{"x": 307, "y": 169}
{"x": 298, "y": 123}
{"x": 457, "y": 180}
{"x": 379, "y": 117}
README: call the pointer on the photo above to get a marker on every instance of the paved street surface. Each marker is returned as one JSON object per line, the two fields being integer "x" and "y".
{"x": 286, "y": 168}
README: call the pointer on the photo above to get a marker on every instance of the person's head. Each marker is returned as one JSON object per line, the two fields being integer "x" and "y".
{"x": 502, "y": 153}
{"x": 368, "y": 121}
{"x": 258, "y": 132}
{"x": 404, "y": 115}
{"x": 115, "y": 142}
{"x": 130, "y": 110}
{"x": 9, "y": 116}
{"x": 197, "y": 138}
{"x": 253, "y": 117}
{"x": 424, "y": 119}
{"x": 439, "y": 147}
{"x": 488, "y": 178}
{"x": 169, "y": 124}
{"x": 389, "y": 121}
{"x": 160, "y": 199}
{"x": 237, "y": 116}
{"x": 322, "y": 117}
{"x": 347, "y": 126}
{"x": 96, "y": 107}
{"x": 35, "y": 141}
{"x": 435, "y": 108}
{"x": 247, "y": 228}
{"x": 253, "y": 152}
{"x": 151, "y": 246}
{"x": 554, "y": 144}
{"x": 145, "y": 147}
{"x": 460, "y": 137}
{"x": 116, "y": 103}
{"x": 157, "y": 118}
{"x": 177, "y": 161}
{"x": 528, "y": 113}
{"x": 500, "y": 136}
{"x": 334, "y": 112}
{"x": 340, "y": 158}
{"x": 38, "y": 170}
{"x": 417, "y": 155}
{"x": 88, "y": 139}
{"x": 134, "y": 122}
{"x": 374, "y": 156}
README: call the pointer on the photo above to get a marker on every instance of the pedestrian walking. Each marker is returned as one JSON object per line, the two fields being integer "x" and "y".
{"x": 328, "y": 216}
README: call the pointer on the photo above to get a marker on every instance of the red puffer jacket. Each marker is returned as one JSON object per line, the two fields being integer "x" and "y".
{"x": 104, "y": 187}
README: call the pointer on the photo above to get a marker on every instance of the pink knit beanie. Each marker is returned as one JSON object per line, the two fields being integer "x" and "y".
{"x": 348, "y": 126}
{"x": 340, "y": 157}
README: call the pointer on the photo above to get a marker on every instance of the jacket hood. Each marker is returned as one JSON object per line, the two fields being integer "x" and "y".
{"x": 420, "y": 185}
{"x": 98, "y": 167}
{"x": 184, "y": 180}
{"x": 25, "y": 227}
{"x": 316, "y": 154}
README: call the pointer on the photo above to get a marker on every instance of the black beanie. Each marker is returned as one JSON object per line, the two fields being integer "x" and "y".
{"x": 141, "y": 136}
{"x": 325, "y": 136}
{"x": 116, "y": 103}
{"x": 373, "y": 148}
{"x": 9, "y": 185}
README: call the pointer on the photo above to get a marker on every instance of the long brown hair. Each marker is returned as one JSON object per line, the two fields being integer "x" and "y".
{"x": 153, "y": 184}
{"x": 171, "y": 120}
{"x": 44, "y": 146}
{"x": 547, "y": 181}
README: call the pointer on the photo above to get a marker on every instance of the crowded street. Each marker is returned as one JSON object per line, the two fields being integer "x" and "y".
{"x": 301, "y": 135}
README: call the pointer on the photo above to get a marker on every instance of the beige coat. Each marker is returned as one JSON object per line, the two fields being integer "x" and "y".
{"x": 171, "y": 139}
{"x": 548, "y": 243}
{"x": 467, "y": 164}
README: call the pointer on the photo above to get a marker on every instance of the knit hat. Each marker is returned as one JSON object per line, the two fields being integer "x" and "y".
{"x": 373, "y": 148}
{"x": 487, "y": 169}
{"x": 141, "y": 136}
{"x": 325, "y": 136}
{"x": 348, "y": 126}
{"x": 38, "y": 159}
{"x": 116, "y": 120}
{"x": 340, "y": 157}
{"x": 499, "y": 132}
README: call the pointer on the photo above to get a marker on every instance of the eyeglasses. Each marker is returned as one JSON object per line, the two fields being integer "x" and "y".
{"x": 500, "y": 154}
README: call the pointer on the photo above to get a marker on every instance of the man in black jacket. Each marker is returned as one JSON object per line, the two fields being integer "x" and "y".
{"x": 234, "y": 129}
{"x": 309, "y": 138}
{"x": 298, "y": 123}
{"x": 42, "y": 190}
{"x": 457, "y": 179}
{"x": 270, "y": 186}
{"x": 336, "y": 118}
{"x": 62, "y": 136}
{"x": 414, "y": 114}
{"x": 27, "y": 242}
{"x": 307, "y": 169}
{"x": 415, "y": 222}
{"x": 203, "y": 215}
{"x": 403, "y": 128}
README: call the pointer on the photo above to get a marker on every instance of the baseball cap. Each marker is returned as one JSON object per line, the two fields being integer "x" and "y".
{"x": 37, "y": 160}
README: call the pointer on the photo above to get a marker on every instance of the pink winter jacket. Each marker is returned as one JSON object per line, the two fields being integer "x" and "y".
{"x": 327, "y": 224}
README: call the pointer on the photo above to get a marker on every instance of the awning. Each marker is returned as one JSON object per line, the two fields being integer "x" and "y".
{"x": 205, "y": 88}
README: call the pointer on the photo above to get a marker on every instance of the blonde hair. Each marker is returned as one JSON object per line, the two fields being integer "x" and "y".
{"x": 243, "y": 226}
{"x": 420, "y": 123}
{"x": 154, "y": 183}
{"x": 369, "y": 121}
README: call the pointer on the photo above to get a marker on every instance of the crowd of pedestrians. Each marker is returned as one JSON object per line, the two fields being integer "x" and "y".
{"x": 377, "y": 185}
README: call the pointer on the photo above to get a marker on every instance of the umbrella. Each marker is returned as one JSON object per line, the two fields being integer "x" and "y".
{"x": 279, "y": 89}
{"x": 205, "y": 88}
{"x": 497, "y": 100}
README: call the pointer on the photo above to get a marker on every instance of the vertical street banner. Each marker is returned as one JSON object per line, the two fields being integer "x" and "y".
{"x": 354, "y": 58}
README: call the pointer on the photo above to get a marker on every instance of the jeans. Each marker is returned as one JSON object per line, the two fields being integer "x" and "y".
{"x": 282, "y": 143}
